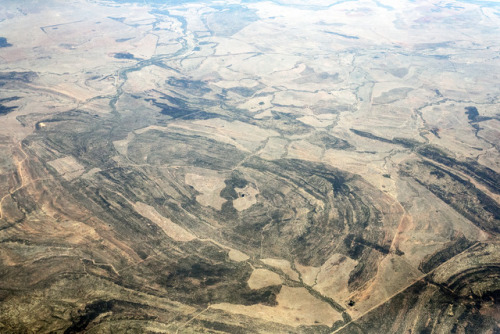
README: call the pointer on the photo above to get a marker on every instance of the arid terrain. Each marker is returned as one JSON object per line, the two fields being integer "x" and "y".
{"x": 275, "y": 166}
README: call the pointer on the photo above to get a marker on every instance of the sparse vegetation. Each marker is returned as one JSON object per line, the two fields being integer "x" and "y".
{"x": 261, "y": 167}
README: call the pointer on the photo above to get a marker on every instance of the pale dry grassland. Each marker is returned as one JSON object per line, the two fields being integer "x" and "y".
{"x": 170, "y": 228}
{"x": 295, "y": 307}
